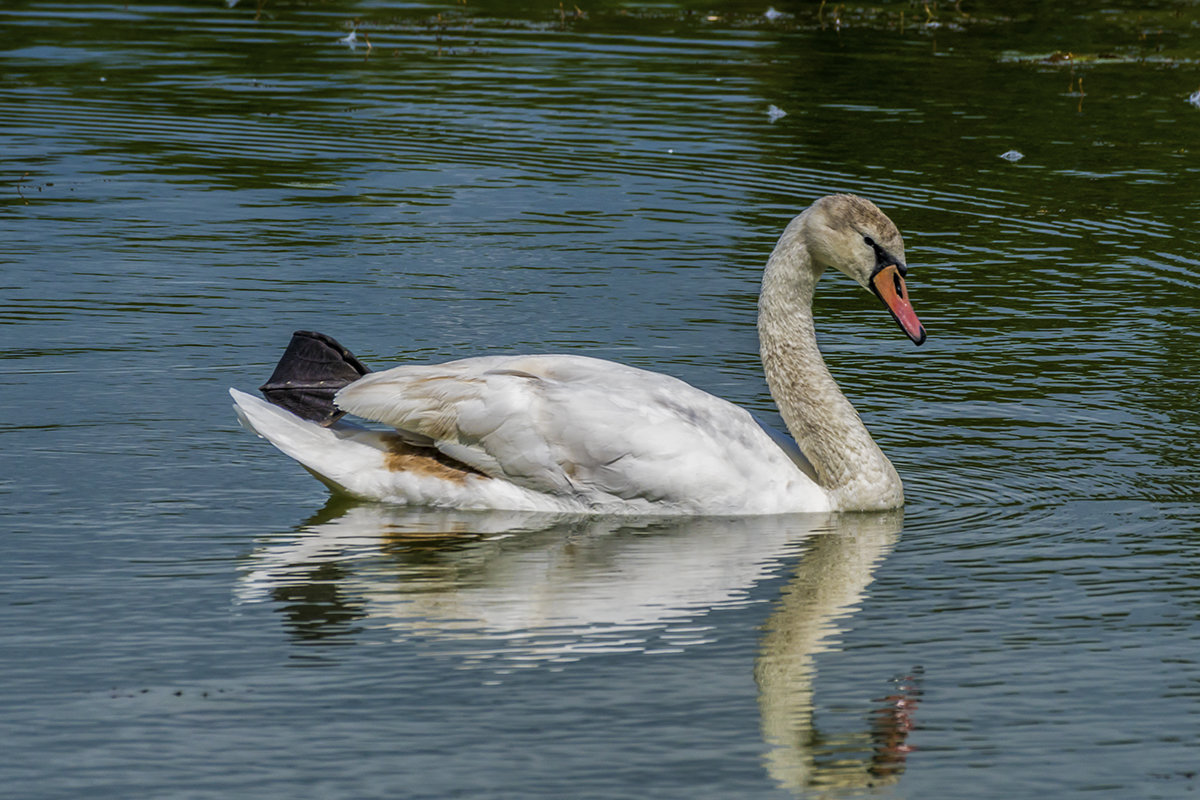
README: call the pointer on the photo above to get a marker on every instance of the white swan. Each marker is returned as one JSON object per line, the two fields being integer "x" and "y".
{"x": 577, "y": 434}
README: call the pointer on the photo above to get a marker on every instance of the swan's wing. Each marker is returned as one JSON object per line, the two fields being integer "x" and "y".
{"x": 571, "y": 425}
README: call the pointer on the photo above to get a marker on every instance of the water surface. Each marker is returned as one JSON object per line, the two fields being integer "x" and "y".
{"x": 186, "y": 615}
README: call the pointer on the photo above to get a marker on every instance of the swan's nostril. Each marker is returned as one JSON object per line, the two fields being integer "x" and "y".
{"x": 899, "y": 285}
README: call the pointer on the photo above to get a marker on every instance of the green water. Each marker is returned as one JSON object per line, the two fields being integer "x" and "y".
{"x": 185, "y": 617}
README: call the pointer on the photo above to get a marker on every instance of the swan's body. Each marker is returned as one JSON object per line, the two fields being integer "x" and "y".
{"x": 578, "y": 434}
{"x": 545, "y": 433}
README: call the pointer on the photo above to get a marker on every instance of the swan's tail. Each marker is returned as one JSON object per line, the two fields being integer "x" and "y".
{"x": 311, "y": 371}
{"x": 345, "y": 457}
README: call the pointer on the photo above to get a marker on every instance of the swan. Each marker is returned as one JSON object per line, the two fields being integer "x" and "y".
{"x": 574, "y": 434}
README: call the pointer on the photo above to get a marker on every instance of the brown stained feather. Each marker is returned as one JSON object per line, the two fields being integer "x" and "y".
{"x": 404, "y": 457}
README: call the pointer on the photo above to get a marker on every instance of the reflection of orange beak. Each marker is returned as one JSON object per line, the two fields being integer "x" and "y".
{"x": 888, "y": 284}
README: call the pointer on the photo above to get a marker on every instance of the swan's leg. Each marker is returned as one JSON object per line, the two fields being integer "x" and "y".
{"x": 311, "y": 371}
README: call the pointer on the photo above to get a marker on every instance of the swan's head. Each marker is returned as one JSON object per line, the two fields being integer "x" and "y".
{"x": 854, "y": 237}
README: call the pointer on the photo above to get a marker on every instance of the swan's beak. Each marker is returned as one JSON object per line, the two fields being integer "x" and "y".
{"x": 888, "y": 285}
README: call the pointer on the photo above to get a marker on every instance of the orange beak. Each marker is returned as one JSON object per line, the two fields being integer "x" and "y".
{"x": 888, "y": 284}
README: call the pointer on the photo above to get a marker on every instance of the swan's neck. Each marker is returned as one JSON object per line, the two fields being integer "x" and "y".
{"x": 849, "y": 465}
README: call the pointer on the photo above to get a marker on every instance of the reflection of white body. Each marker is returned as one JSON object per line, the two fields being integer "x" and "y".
{"x": 561, "y": 433}
{"x": 537, "y": 578}
{"x": 529, "y": 589}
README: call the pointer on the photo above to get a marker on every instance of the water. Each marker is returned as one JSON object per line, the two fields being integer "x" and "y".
{"x": 185, "y": 616}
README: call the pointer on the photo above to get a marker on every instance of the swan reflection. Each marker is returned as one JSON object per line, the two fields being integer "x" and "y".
{"x": 828, "y": 584}
{"x": 508, "y": 590}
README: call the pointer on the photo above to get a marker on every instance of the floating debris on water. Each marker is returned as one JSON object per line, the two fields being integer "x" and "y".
{"x": 1012, "y": 155}
{"x": 310, "y": 185}
{"x": 775, "y": 113}
{"x": 773, "y": 16}
{"x": 1194, "y": 98}
{"x": 1069, "y": 59}
{"x": 350, "y": 40}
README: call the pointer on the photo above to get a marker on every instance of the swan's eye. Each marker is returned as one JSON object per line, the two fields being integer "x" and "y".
{"x": 870, "y": 242}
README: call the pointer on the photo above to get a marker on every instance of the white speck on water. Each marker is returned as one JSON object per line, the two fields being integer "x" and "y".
{"x": 1194, "y": 98}
{"x": 1012, "y": 155}
{"x": 350, "y": 40}
{"x": 775, "y": 113}
{"x": 773, "y": 15}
